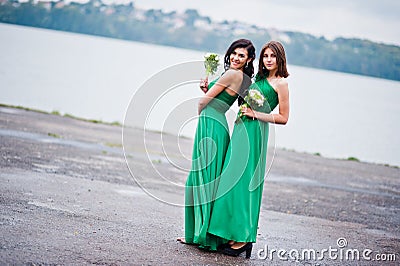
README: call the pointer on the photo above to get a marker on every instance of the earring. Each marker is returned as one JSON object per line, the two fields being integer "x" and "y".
{"x": 247, "y": 64}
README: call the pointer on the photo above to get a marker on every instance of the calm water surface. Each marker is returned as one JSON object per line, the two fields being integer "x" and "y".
{"x": 337, "y": 115}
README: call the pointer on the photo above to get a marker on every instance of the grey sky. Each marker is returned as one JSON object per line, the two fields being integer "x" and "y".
{"x": 376, "y": 20}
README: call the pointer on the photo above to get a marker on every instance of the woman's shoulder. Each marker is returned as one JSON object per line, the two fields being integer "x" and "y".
{"x": 282, "y": 86}
{"x": 232, "y": 73}
{"x": 282, "y": 83}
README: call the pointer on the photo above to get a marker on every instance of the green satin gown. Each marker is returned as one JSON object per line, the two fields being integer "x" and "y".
{"x": 210, "y": 145}
{"x": 238, "y": 200}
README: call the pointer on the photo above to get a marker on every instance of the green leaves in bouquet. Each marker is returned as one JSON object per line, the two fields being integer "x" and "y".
{"x": 211, "y": 63}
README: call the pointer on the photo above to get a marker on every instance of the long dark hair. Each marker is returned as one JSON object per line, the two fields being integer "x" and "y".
{"x": 279, "y": 51}
{"x": 248, "y": 70}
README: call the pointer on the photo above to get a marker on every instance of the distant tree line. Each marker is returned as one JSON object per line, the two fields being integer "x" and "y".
{"x": 193, "y": 31}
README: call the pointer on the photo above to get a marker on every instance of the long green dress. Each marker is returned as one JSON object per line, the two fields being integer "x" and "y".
{"x": 210, "y": 145}
{"x": 237, "y": 206}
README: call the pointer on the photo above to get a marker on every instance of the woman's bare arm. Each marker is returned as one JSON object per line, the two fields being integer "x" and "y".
{"x": 231, "y": 80}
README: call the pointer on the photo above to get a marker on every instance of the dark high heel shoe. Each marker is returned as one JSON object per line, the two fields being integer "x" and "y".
{"x": 223, "y": 246}
{"x": 236, "y": 252}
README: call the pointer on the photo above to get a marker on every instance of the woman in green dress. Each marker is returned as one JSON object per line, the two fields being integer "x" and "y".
{"x": 237, "y": 206}
{"x": 211, "y": 142}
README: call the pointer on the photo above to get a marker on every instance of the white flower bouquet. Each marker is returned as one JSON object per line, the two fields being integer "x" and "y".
{"x": 253, "y": 99}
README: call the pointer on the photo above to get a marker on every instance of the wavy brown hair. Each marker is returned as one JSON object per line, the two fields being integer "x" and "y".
{"x": 279, "y": 51}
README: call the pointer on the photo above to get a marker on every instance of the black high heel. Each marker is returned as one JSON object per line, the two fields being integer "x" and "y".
{"x": 236, "y": 252}
{"x": 223, "y": 246}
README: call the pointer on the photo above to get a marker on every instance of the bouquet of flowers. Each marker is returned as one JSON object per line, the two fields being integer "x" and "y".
{"x": 211, "y": 62}
{"x": 253, "y": 99}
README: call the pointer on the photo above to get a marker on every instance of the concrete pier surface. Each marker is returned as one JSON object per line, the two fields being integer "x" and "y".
{"x": 67, "y": 196}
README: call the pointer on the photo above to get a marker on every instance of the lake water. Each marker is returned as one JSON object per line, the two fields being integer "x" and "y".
{"x": 335, "y": 114}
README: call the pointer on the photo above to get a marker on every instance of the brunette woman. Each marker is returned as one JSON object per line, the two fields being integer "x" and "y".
{"x": 211, "y": 143}
{"x": 236, "y": 209}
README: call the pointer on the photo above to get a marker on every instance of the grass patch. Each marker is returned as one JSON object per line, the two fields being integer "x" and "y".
{"x": 353, "y": 159}
{"x": 54, "y": 135}
{"x": 116, "y": 123}
{"x": 23, "y": 108}
{"x": 71, "y": 116}
{"x": 113, "y": 145}
{"x": 95, "y": 121}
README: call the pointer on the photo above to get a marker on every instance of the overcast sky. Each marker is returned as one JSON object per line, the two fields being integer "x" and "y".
{"x": 376, "y": 20}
